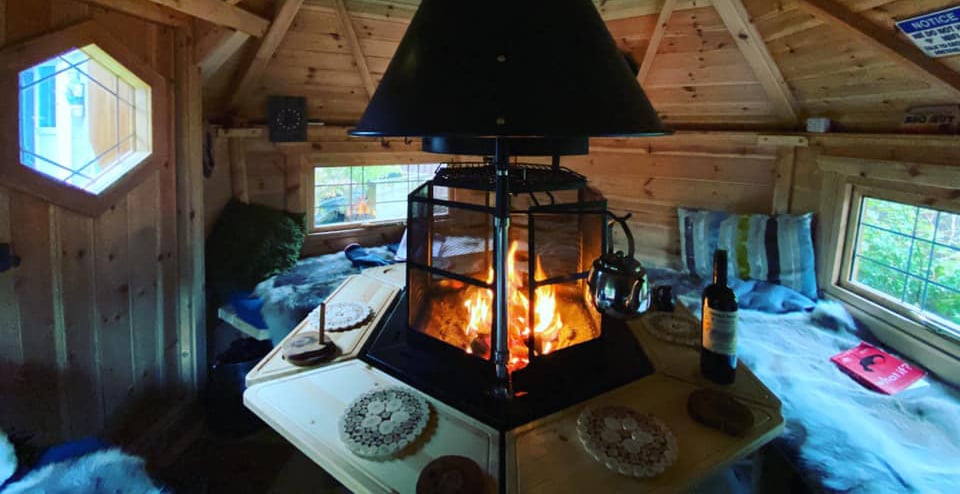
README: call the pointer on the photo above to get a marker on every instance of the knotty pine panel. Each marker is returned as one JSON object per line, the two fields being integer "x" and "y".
{"x": 88, "y": 321}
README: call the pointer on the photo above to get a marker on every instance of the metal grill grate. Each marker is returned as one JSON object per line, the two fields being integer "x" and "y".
{"x": 524, "y": 177}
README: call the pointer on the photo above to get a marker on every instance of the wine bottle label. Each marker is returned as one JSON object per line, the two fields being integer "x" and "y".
{"x": 720, "y": 331}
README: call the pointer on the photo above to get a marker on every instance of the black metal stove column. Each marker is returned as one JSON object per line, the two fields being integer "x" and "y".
{"x": 501, "y": 239}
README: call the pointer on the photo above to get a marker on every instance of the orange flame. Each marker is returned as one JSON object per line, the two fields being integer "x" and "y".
{"x": 546, "y": 324}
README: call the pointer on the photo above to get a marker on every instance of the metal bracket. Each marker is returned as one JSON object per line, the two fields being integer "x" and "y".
{"x": 8, "y": 260}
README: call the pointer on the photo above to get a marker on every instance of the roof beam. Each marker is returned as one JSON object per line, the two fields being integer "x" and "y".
{"x": 737, "y": 20}
{"x": 220, "y": 13}
{"x": 144, "y": 10}
{"x": 346, "y": 25}
{"x": 885, "y": 41}
{"x": 665, "y": 13}
{"x": 256, "y": 66}
{"x": 227, "y": 45}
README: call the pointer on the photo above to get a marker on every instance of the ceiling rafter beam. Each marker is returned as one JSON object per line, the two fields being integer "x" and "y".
{"x": 737, "y": 20}
{"x": 256, "y": 66}
{"x": 220, "y": 13}
{"x": 144, "y": 10}
{"x": 665, "y": 13}
{"x": 346, "y": 26}
{"x": 228, "y": 44}
{"x": 885, "y": 41}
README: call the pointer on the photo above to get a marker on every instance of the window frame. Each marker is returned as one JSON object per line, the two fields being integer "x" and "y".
{"x": 24, "y": 55}
{"x": 339, "y": 228}
{"x": 845, "y": 181}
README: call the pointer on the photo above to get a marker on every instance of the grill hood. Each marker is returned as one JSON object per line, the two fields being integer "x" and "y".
{"x": 469, "y": 69}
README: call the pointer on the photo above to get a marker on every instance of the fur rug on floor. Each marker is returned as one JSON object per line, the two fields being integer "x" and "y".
{"x": 846, "y": 437}
{"x": 103, "y": 472}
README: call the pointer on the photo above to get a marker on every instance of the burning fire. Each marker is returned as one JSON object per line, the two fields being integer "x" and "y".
{"x": 546, "y": 323}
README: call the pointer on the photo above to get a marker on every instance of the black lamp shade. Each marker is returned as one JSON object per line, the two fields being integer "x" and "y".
{"x": 508, "y": 68}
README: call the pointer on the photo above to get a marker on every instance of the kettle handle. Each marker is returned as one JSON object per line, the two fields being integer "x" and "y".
{"x": 622, "y": 220}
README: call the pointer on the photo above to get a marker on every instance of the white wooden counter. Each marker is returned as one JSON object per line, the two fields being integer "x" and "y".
{"x": 543, "y": 456}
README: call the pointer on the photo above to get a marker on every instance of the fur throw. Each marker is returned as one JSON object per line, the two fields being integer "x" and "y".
{"x": 844, "y": 436}
{"x": 8, "y": 458}
{"x": 103, "y": 472}
{"x": 289, "y": 296}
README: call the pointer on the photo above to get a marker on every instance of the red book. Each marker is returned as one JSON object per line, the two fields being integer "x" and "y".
{"x": 877, "y": 369}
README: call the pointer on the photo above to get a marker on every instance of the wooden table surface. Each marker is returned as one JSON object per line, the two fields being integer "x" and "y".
{"x": 544, "y": 456}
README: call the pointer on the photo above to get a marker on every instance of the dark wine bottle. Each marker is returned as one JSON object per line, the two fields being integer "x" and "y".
{"x": 718, "y": 327}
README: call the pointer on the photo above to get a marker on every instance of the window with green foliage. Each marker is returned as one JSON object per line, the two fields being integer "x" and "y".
{"x": 360, "y": 194}
{"x": 909, "y": 255}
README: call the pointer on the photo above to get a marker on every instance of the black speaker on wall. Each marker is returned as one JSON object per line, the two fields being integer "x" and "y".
{"x": 287, "y": 118}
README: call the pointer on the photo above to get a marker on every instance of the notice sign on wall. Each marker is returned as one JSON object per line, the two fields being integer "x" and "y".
{"x": 937, "y": 34}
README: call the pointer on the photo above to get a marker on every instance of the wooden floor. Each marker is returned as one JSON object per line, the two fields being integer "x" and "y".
{"x": 262, "y": 462}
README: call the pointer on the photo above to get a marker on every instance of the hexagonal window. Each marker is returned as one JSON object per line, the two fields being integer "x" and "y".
{"x": 84, "y": 119}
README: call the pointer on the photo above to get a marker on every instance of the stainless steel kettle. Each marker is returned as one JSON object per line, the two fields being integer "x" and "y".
{"x": 618, "y": 282}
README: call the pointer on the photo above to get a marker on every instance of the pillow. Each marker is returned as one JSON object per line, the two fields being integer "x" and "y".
{"x": 777, "y": 249}
{"x": 249, "y": 243}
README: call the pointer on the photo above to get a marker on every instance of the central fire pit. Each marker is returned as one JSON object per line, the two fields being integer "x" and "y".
{"x": 442, "y": 336}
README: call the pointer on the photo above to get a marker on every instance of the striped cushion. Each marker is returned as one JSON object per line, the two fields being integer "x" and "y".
{"x": 777, "y": 249}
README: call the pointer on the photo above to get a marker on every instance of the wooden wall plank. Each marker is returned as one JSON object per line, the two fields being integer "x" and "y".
{"x": 143, "y": 246}
{"x": 30, "y": 228}
{"x": 114, "y": 329}
{"x": 191, "y": 316}
{"x": 81, "y": 378}
{"x": 11, "y": 350}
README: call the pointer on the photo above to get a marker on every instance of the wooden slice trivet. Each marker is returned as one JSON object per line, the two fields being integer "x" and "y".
{"x": 451, "y": 475}
{"x": 306, "y": 349}
{"x": 720, "y": 411}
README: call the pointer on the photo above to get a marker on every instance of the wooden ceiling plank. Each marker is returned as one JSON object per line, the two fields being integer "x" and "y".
{"x": 229, "y": 44}
{"x": 735, "y": 16}
{"x": 346, "y": 24}
{"x": 144, "y": 10}
{"x": 221, "y": 13}
{"x": 255, "y": 68}
{"x": 665, "y": 12}
{"x": 885, "y": 41}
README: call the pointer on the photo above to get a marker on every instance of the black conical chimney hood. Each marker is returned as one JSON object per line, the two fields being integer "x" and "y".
{"x": 544, "y": 73}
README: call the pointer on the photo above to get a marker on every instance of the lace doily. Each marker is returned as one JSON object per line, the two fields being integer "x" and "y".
{"x": 380, "y": 423}
{"x": 674, "y": 329}
{"x": 340, "y": 316}
{"x": 627, "y": 441}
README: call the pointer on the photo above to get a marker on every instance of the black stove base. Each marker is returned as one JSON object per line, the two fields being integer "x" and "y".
{"x": 552, "y": 383}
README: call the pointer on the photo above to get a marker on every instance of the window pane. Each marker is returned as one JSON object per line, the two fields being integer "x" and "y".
{"x": 914, "y": 294}
{"x": 926, "y": 223}
{"x": 920, "y": 258}
{"x": 350, "y": 194}
{"x": 944, "y": 303}
{"x": 879, "y": 277}
{"x": 889, "y": 215}
{"x": 911, "y": 254}
{"x": 884, "y": 247}
{"x": 73, "y": 126}
{"x": 948, "y": 229}
{"x": 945, "y": 269}
{"x": 331, "y": 175}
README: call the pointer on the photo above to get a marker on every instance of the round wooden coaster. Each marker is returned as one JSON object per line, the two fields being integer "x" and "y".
{"x": 451, "y": 475}
{"x": 306, "y": 349}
